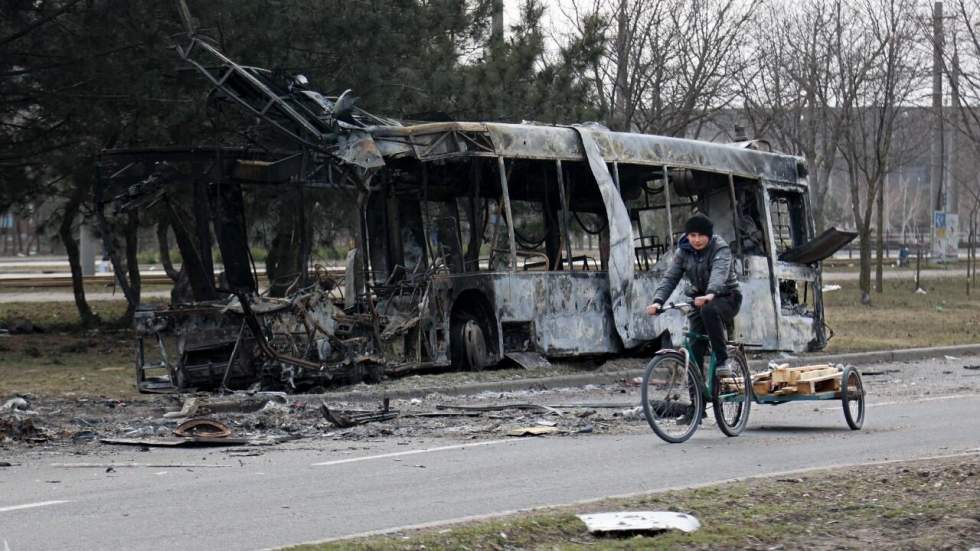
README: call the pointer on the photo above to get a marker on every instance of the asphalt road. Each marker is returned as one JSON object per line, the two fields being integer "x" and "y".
{"x": 313, "y": 490}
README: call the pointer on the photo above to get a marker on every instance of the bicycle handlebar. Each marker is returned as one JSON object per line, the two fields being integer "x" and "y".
{"x": 682, "y": 306}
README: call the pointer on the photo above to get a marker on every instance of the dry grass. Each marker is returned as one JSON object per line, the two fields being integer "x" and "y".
{"x": 66, "y": 359}
{"x": 901, "y": 318}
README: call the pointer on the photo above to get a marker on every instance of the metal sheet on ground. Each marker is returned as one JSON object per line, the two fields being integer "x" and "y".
{"x": 529, "y": 360}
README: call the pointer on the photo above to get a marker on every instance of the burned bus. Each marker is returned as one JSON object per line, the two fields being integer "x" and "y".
{"x": 466, "y": 249}
{"x": 486, "y": 212}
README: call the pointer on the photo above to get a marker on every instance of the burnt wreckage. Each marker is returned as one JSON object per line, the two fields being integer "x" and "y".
{"x": 467, "y": 251}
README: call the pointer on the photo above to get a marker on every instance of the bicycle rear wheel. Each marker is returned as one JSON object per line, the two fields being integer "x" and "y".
{"x": 732, "y": 396}
{"x": 671, "y": 395}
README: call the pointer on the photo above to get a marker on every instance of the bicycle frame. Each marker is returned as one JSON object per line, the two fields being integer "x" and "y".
{"x": 687, "y": 349}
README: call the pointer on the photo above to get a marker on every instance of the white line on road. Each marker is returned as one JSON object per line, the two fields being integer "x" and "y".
{"x": 912, "y": 401}
{"x": 929, "y": 399}
{"x": 414, "y": 452}
{"x": 30, "y": 505}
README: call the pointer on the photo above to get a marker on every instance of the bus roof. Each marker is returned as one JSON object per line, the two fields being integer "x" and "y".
{"x": 538, "y": 141}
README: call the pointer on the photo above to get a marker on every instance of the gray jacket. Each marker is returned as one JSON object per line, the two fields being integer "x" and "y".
{"x": 709, "y": 271}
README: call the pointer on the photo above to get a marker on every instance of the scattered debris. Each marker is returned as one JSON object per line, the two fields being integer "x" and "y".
{"x": 831, "y": 287}
{"x": 202, "y": 427}
{"x": 176, "y": 442}
{"x": 875, "y": 373}
{"x": 16, "y": 403}
{"x": 137, "y": 465}
{"x": 630, "y": 522}
{"x": 635, "y": 412}
{"x": 502, "y": 407}
{"x": 349, "y": 418}
{"x": 83, "y": 436}
{"x": 21, "y": 429}
{"x": 446, "y": 414}
{"x": 529, "y": 360}
{"x": 533, "y": 431}
{"x": 188, "y": 408}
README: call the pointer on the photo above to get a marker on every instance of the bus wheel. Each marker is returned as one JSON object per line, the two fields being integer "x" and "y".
{"x": 469, "y": 342}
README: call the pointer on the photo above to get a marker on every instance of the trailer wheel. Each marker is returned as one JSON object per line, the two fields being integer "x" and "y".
{"x": 852, "y": 397}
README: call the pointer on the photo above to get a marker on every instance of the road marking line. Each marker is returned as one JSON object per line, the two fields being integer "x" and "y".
{"x": 929, "y": 399}
{"x": 6, "y": 546}
{"x": 509, "y": 512}
{"x": 414, "y": 452}
{"x": 898, "y": 402}
{"x": 31, "y": 505}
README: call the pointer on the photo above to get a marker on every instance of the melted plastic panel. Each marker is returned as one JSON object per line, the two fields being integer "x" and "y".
{"x": 620, "y": 241}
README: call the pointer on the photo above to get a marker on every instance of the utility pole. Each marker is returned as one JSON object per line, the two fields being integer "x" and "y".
{"x": 952, "y": 185}
{"x": 936, "y": 203}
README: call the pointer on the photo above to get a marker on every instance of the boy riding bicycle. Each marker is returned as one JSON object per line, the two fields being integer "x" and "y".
{"x": 706, "y": 260}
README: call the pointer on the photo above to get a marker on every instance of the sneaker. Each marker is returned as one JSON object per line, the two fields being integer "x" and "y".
{"x": 725, "y": 369}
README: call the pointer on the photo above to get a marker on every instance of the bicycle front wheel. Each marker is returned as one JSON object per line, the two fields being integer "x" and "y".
{"x": 731, "y": 397}
{"x": 671, "y": 395}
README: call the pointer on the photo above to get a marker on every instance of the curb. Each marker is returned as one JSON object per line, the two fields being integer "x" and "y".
{"x": 544, "y": 383}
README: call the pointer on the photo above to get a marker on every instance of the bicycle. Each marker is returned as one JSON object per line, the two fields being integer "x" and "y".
{"x": 674, "y": 393}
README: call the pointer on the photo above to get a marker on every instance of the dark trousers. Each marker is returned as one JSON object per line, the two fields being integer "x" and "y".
{"x": 712, "y": 320}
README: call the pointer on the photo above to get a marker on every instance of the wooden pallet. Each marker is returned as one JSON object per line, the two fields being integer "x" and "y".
{"x": 783, "y": 380}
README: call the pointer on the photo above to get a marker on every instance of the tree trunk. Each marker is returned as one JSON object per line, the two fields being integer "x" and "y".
{"x": 85, "y": 314}
{"x": 132, "y": 266}
{"x": 200, "y": 277}
{"x": 283, "y": 262}
{"x": 818, "y": 195}
{"x": 163, "y": 243}
{"x": 880, "y": 243}
{"x": 865, "y": 275}
{"x": 229, "y": 228}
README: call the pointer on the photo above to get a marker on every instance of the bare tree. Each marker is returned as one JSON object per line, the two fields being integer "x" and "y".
{"x": 877, "y": 65}
{"x": 794, "y": 95}
{"x": 904, "y": 204}
{"x": 668, "y": 66}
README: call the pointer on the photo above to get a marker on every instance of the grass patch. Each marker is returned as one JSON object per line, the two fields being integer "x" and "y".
{"x": 67, "y": 365}
{"x": 910, "y": 505}
{"x": 55, "y": 317}
{"x": 67, "y": 359}
{"x": 901, "y": 318}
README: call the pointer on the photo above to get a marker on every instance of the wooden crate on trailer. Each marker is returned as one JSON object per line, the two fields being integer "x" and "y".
{"x": 783, "y": 380}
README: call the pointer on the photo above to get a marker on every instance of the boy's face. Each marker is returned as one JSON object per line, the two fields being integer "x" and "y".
{"x": 698, "y": 240}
